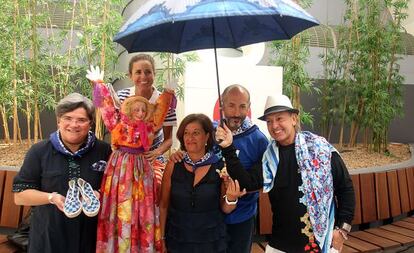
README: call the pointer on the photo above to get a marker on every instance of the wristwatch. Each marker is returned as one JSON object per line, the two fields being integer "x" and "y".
{"x": 50, "y": 196}
{"x": 345, "y": 227}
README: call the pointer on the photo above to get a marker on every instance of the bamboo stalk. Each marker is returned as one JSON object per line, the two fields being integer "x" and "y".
{"x": 72, "y": 24}
{"x": 28, "y": 119}
{"x": 5, "y": 125}
{"x": 28, "y": 112}
{"x": 40, "y": 130}
{"x": 99, "y": 130}
{"x": 34, "y": 77}
{"x": 15, "y": 112}
{"x": 51, "y": 53}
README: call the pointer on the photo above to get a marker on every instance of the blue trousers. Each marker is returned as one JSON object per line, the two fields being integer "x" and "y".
{"x": 240, "y": 236}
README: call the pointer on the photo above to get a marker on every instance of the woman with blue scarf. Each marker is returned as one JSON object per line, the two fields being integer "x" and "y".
{"x": 308, "y": 184}
{"x": 72, "y": 153}
{"x": 193, "y": 196}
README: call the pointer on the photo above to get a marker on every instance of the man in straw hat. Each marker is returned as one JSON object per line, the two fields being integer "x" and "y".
{"x": 309, "y": 187}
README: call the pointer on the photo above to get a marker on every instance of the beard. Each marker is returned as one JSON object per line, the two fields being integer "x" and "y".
{"x": 234, "y": 122}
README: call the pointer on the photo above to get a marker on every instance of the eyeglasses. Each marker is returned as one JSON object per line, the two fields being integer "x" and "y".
{"x": 78, "y": 121}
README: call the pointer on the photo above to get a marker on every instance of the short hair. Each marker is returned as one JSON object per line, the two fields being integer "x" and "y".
{"x": 141, "y": 57}
{"x": 233, "y": 87}
{"x": 74, "y": 101}
{"x": 205, "y": 123}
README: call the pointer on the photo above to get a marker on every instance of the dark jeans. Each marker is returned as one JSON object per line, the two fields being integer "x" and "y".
{"x": 240, "y": 236}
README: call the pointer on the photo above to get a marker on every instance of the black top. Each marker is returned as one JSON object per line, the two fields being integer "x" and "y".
{"x": 284, "y": 197}
{"x": 195, "y": 222}
{"x": 47, "y": 170}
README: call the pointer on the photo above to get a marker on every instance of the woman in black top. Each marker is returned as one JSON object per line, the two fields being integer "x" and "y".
{"x": 193, "y": 197}
{"x": 71, "y": 152}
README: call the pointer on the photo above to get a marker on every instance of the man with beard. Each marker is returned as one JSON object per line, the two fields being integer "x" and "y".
{"x": 308, "y": 184}
{"x": 250, "y": 144}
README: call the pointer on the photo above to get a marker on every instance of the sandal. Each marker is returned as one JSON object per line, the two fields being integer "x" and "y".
{"x": 90, "y": 203}
{"x": 72, "y": 207}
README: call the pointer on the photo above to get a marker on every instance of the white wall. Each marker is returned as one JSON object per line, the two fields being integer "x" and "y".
{"x": 201, "y": 86}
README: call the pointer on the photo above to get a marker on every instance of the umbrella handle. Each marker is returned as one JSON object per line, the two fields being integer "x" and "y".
{"x": 222, "y": 122}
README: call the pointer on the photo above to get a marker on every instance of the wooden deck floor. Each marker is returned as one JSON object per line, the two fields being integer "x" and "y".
{"x": 258, "y": 247}
{"x": 6, "y": 247}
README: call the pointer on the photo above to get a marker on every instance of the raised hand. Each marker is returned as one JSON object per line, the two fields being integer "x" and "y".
{"x": 94, "y": 74}
{"x": 171, "y": 85}
{"x": 224, "y": 134}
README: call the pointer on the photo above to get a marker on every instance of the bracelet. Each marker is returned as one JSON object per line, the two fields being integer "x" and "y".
{"x": 343, "y": 233}
{"x": 50, "y": 196}
{"x": 230, "y": 202}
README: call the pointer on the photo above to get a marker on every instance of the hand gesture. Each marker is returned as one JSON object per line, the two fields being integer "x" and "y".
{"x": 337, "y": 241}
{"x": 224, "y": 134}
{"x": 233, "y": 190}
{"x": 94, "y": 74}
{"x": 177, "y": 156}
{"x": 171, "y": 85}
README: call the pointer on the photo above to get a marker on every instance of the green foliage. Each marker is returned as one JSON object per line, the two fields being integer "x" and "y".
{"x": 173, "y": 69}
{"x": 51, "y": 57}
{"x": 363, "y": 86}
{"x": 292, "y": 55}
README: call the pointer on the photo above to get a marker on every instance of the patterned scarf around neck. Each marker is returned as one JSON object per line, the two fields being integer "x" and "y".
{"x": 313, "y": 154}
{"x": 60, "y": 147}
{"x": 207, "y": 159}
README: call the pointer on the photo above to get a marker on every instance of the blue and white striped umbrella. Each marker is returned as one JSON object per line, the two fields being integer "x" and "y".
{"x": 178, "y": 26}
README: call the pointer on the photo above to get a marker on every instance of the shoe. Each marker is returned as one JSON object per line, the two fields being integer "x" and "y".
{"x": 72, "y": 207}
{"x": 90, "y": 203}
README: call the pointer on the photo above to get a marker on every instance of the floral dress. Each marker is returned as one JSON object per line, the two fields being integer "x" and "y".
{"x": 129, "y": 216}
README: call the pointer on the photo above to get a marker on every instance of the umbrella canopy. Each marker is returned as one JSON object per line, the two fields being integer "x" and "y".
{"x": 185, "y": 25}
{"x": 178, "y": 26}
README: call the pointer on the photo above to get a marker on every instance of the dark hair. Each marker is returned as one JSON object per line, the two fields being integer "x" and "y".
{"x": 233, "y": 87}
{"x": 74, "y": 101}
{"x": 141, "y": 57}
{"x": 205, "y": 123}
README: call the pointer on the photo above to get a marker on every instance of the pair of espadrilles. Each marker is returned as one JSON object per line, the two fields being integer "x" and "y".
{"x": 74, "y": 204}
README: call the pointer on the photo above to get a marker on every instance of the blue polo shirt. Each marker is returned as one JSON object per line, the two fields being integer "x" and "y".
{"x": 250, "y": 146}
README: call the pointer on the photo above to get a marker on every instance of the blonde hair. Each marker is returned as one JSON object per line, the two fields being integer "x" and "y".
{"x": 127, "y": 106}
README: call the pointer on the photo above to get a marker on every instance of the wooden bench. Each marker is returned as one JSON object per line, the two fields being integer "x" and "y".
{"x": 10, "y": 214}
{"x": 384, "y": 206}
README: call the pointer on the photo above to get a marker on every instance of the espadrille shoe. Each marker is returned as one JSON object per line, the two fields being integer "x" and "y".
{"x": 90, "y": 203}
{"x": 72, "y": 206}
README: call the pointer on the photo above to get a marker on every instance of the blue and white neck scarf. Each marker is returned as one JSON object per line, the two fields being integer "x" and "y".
{"x": 207, "y": 159}
{"x": 313, "y": 154}
{"x": 60, "y": 147}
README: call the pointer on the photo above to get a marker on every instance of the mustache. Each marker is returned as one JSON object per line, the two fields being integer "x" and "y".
{"x": 235, "y": 118}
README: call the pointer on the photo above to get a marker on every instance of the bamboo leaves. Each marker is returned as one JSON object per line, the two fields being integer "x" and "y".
{"x": 362, "y": 73}
{"x": 43, "y": 58}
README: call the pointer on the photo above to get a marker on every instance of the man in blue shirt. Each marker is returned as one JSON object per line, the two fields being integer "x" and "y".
{"x": 250, "y": 143}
